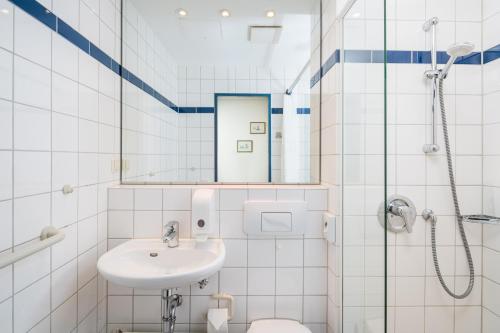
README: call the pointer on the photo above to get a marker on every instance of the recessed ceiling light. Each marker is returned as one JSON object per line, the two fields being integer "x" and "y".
{"x": 270, "y": 13}
{"x": 182, "y": 12}
{"x": 225, "y": 13}
{"x": 4, "y": 11}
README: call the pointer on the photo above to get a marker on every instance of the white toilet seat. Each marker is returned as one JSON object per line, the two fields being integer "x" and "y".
{"x": 277, "y": 326}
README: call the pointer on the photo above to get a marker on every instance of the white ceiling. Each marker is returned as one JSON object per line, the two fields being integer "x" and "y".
{"x": 204, "y": 37}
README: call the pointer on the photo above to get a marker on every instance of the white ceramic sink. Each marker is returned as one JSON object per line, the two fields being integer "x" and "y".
{"x": 151, "y": 264}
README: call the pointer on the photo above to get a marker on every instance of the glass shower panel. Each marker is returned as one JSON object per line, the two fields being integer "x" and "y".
{"x": 363, "y": 165}
{"x": 490, "y": 305}
{"x": 389, "y": 279}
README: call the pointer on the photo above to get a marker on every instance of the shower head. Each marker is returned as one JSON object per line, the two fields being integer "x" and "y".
{"x": 455, "y": 51}
{"x": 460, "y": 49}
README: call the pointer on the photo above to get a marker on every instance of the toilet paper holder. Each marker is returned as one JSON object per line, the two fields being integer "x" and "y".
{"x": 230, "y": 303}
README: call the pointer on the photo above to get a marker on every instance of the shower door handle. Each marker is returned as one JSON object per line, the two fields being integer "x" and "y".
{"x": 400, "y": 212}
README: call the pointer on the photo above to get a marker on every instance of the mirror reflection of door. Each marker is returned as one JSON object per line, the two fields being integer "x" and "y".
{"x": 243, "y": 138}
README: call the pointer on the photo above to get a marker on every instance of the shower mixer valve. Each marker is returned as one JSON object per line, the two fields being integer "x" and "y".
{"x": 401, "y": 214}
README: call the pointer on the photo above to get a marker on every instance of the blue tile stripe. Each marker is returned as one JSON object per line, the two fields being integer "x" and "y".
{"x": 185, "y": 109}
{"x": 316, "y": 77}
{"x": 401, "y": 57}
{"x": 303, "y": 110}
{"x": 299, "y": 111}
{"x": 358, "y": 56}
{"x": 276, "y": 111}
{"x": 73, "y": 36}
{"x": 491, "y": 54}
{"x": 190, "y": 109}
{"x": 205, "y": 110}
{"x": 38, "y": 11}
{"x": 46, "y": 17}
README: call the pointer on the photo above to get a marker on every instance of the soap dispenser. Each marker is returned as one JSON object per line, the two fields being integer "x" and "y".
{"x": 203, "y": 214}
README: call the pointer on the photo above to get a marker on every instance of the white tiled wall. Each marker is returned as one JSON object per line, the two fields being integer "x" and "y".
{"x": 149, "y": 127}
{"x": 331, "y": 166}
{"x": 196, "y": 147}
{"x": 315, "y": 141}
{"x": 270, "y": 278}
{"x": 491, "y": 164}
{"x": 59, "y": 125}
{"x": 197, "y": 84}
{"x": 294, "y": 147}
{"x": 277, "y": 158}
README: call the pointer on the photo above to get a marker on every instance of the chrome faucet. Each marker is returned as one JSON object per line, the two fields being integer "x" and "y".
{"x": 171, "y": 233}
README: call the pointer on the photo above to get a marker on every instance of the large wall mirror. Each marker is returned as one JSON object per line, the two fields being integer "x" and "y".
{"x": 221, "y": 91}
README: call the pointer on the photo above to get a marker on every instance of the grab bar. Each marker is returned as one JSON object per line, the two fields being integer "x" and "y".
{"x": 48, "y": 237}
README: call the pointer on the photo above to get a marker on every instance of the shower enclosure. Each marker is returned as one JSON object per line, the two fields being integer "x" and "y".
{"x": 418, "y": 140}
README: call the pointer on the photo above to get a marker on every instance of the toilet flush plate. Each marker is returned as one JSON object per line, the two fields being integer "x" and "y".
{"x": 274, "y": 218}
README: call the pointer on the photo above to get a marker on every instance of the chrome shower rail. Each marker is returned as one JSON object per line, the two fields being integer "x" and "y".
{"x": 48, "y": 237}
{"x": 433, "y": 75}
{"x": 289, "y": 91}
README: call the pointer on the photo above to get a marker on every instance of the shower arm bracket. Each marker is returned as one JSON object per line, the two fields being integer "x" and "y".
{"x": 432, "y": 74}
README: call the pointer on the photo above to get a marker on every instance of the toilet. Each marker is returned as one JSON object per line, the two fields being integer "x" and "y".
{"x": 277, "y": 326}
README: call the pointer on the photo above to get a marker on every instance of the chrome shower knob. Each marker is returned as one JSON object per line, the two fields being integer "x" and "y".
{"x": 401, "y": 214}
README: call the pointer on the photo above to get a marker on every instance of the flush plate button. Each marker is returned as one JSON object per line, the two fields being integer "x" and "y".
{"x": 275, "y": 217}
{"x": 276, "y": 222}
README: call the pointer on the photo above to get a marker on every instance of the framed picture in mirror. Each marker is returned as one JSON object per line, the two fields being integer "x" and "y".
{"x": 258, "y": 128}
{"x": 245, "y": 146}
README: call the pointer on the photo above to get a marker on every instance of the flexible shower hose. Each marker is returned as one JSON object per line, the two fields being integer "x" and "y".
{"x": 457, "y": 210}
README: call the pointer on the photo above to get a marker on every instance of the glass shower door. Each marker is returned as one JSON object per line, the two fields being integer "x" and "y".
{"x": 390, "y": 279}
{"x": 364, "y": 163}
